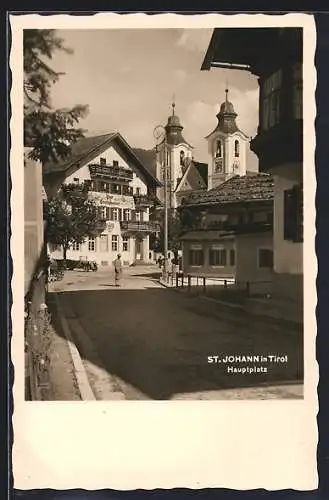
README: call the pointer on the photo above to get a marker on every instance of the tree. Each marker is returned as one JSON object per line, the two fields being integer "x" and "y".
{"x": 174, "y": 232}
{"x": 48, "y": 132}
{"x": 71, "y": 216}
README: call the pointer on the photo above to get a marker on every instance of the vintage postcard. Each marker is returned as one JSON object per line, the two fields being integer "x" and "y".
{"x": 163, "y": 219}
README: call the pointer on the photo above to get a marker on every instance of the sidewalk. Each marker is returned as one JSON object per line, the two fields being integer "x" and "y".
{"x": 64, "y": 385}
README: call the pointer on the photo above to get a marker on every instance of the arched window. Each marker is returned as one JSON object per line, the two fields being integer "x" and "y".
{"x": 182, "y": 157}
{"x": 219, "y": 149}
{"x": 236, "y": 149}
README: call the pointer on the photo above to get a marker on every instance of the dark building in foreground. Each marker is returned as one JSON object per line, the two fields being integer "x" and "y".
{"x": 274, "y": 55}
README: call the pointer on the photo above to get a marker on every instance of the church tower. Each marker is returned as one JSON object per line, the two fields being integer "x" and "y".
{"x": 179, "y": 154}
{"x": 227, "y": 147}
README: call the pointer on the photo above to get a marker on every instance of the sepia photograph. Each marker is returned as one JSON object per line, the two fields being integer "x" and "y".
{"x": 163, "y": 188}
{"x": 163, "y": 249}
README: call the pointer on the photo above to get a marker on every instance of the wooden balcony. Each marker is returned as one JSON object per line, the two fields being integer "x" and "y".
{"x": 110, "y": 172}
{"x": 241, "y": 228}
{"x": 133, "y": 226}
{"x": 143, "y": 200}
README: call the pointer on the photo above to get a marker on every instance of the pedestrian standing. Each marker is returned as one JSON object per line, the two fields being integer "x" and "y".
{"x": 118, "y": 270}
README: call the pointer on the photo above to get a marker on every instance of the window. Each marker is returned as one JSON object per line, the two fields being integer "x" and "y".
{"x": 138, "y": 191}
{"x": 76, "y": 179}
{"x": 115, "y": 189}
{"x": 219, "y": 150}
{"x": 125, "y": 243}
{"x": 137, "y": 216}
{"x": 126, "y": 214}
{"x": 293, "y": 214}
{"x": 217, "y": 257}
{"x": 105, "y": 187}
{"x": 115, "y": 243}
{"x": 265, "y": 258}
{"x": 232, "y": 257}
{"x": 271, "y": 100}
{"x": 92, "y": 244}
{"x": 102, "y": 212}
{"x": 53, "y": 247}
{"x": 104, "y": 243}
{"x": 93, "y": 186}
{"x": 182, "y": 157}
{"x": 102, "y": 161}
{"x": 126, "y": 190}
{"x": 196, "y": 258}
{"x": 76, "y": 247}
{"x": 260, "y": 217}
{"x": 298, "y": 91}
{"x": 115, "y": 163}
{"x": 236, "y": 149}
{"x": 115, "y": 214}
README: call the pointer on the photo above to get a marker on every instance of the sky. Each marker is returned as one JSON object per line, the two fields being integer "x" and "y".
{"x": 128, "y": 79}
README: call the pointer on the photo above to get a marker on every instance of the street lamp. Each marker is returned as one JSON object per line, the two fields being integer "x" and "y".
{"x": 159, "y": 134}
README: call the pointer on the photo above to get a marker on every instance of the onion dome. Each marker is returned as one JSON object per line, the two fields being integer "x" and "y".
{"x": 226, "y": 117}
{"x": 174, "y": 129}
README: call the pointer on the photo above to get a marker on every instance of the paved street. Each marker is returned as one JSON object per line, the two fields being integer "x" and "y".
{"x": 153, "y": 343}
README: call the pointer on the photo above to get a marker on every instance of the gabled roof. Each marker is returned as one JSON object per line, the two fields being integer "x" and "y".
{"x": 247, "y": 188}
{"x": 84, "y": 149}
{"x": 203, "y": 170}
{"x": 193, "y": 179}
{"x": 148, "y": 158}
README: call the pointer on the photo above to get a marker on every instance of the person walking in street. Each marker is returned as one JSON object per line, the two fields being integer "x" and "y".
{"x": 118, "y": 270}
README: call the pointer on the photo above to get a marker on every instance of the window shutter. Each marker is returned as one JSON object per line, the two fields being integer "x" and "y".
{"x": 293, "y": 214}
{"x": 289, "y": 214}
{"x": 299, "y": 213}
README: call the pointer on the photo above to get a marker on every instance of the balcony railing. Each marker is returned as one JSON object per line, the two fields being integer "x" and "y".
{"x": 110, "y": 171}
{"x": 236, "y": 228}
{"x": 137, "y": 226}
{"x": 143, "y": 200}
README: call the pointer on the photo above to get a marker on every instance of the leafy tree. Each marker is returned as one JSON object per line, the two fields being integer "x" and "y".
{"x": 174, "y": 232}
{"x": 71, "y": 216}
{"x": 48, "y": 132}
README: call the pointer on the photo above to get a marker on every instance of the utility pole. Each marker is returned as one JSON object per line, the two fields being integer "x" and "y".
{"x": 165, "y": 173}
{"x": 160, "y": 136}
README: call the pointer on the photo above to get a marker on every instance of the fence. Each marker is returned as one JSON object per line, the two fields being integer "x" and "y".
{"x": 37, "y": 341}
{"x": 226, "y": 285}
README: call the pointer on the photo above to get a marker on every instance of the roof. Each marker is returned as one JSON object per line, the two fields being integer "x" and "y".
{"x": 83, "y": 150}
{"x": 203, "y": 170}
{"x": 193, "y": 178}
{"x": 148, "y": 158}
{"x": 244, "y": 48}
{"x": 247, "y": 188}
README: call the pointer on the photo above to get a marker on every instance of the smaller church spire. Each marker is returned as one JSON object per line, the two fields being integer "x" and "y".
{"x": 173, "y": 105}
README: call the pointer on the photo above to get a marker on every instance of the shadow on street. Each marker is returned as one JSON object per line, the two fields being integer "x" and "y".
{"x": 158, "y": 341}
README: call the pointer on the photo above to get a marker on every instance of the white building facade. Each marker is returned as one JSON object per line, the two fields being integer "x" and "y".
{"x": 123, "y": 190}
